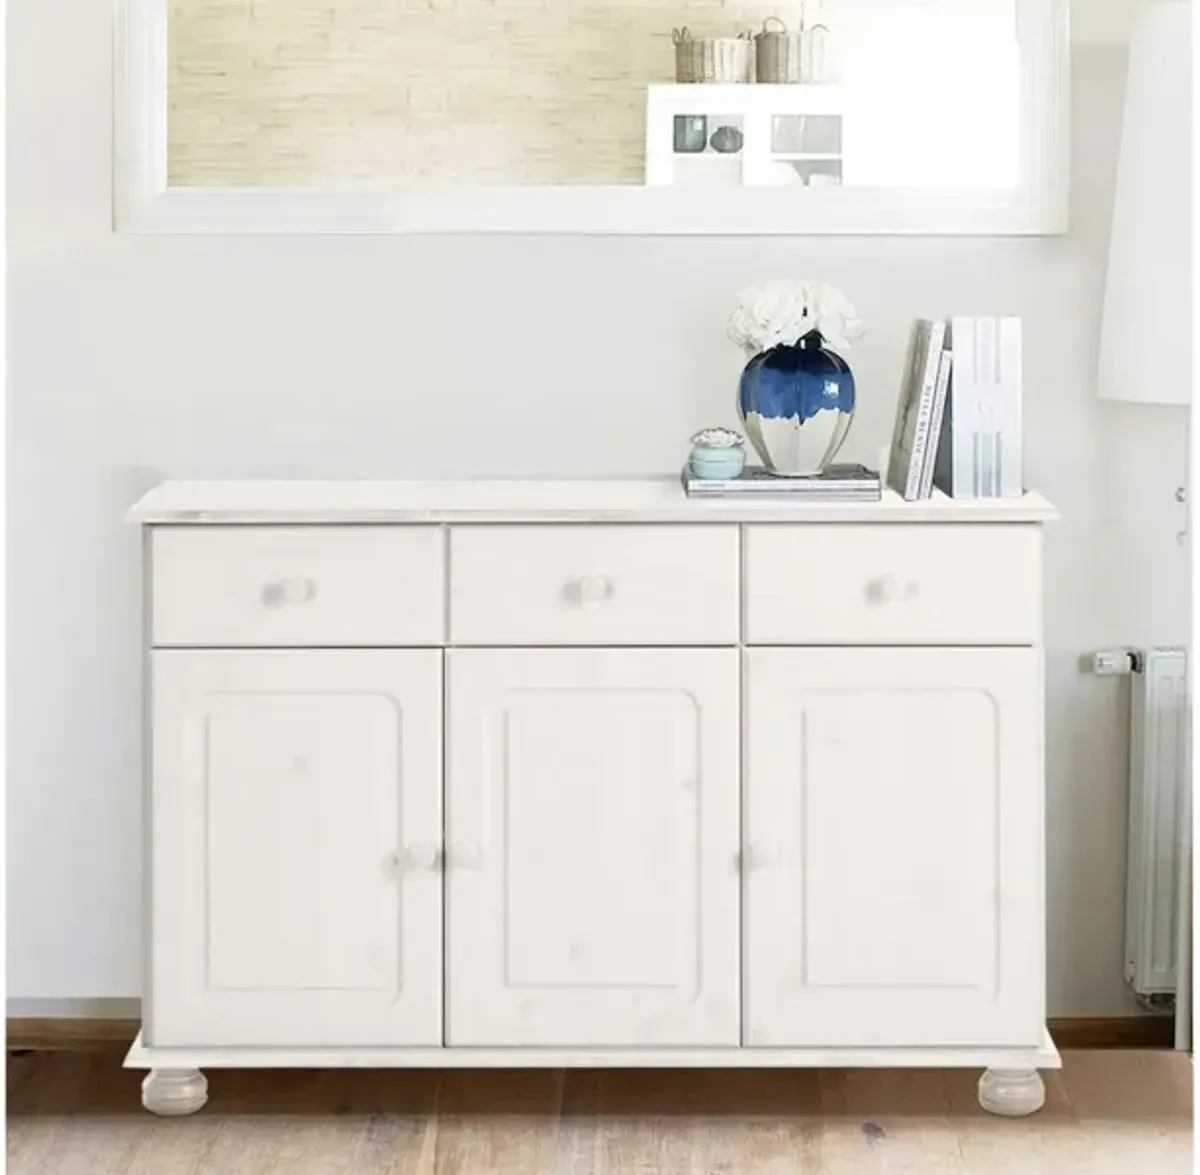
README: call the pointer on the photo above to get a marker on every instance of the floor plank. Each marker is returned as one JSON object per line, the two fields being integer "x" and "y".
{"x": 885, "y": 1120}
{"x": 1147, "y": 1111}
{"x": 496, "y": 1121}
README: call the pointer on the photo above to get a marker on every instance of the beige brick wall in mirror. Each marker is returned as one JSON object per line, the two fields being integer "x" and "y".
{"x": 423, "y": 92}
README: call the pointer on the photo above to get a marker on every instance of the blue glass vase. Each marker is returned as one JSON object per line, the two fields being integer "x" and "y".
{"x": 797, "y": 404}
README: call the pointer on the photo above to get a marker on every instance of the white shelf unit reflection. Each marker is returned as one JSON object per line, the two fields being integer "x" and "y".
{"x": 745, "y": 136}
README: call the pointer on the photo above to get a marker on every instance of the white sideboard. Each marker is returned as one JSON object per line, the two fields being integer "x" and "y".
{"x": 585, "y": 773}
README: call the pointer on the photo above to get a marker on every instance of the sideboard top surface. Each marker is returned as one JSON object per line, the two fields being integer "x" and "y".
{"x": 655, "y": 499}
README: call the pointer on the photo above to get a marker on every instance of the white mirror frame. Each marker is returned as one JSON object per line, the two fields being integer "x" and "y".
{"x": 143, "y": 202}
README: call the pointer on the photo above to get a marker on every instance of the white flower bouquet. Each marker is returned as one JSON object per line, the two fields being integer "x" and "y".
{"x": 784, "y": 312}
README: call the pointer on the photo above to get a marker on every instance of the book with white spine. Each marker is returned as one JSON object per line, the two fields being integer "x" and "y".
{"x": 980, "y": 449}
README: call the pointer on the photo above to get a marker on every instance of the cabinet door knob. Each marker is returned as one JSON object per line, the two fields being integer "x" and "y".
{"x": 411, "y": 858}
{"x": 423, "y": 856}
{"x": 288, "y": 591}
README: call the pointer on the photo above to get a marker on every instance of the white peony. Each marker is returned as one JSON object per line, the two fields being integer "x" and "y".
{"x": 783, "y": 312}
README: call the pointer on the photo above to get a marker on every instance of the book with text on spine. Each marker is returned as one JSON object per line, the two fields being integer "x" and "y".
{"x": 941, "y": 393}
{"x": 912, "y": 437}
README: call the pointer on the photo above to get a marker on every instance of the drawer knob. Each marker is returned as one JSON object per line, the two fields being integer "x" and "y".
{"x": 889, "y": 590}
{"x": 594, "y": 588}
{"x": 288, "y": 591}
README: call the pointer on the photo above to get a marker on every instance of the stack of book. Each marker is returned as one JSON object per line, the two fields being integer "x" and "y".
{"x": 958, "y": 423}
{"x": 839, "y": 483}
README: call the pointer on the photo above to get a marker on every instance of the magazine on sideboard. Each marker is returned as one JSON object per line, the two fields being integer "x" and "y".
{"x": 838, "y": 483}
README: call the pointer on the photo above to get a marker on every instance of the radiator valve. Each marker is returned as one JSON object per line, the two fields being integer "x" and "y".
{"x": 1115, "y": 662}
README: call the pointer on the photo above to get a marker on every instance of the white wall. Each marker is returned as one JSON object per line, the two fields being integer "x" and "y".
{"x": 1103, "y": 22}
{"x": 139, "y": 359}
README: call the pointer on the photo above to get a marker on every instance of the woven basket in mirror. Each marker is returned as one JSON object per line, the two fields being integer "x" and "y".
{"x": 712, "y": 60}
{"x": 783, "y": 57}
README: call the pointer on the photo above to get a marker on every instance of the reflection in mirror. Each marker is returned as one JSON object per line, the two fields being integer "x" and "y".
{"x": 428, "y": 93}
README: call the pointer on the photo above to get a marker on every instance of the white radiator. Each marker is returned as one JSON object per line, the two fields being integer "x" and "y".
{"x": 1157, "y": 909}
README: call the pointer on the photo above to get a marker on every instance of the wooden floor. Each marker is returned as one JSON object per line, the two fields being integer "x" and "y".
{"x": 1124, "y": 1113}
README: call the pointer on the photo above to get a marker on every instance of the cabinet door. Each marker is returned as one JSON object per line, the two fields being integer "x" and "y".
{"x": 592, "y": 836}
{"x": 894, "y": 832}
{"x": 296, "y": 820}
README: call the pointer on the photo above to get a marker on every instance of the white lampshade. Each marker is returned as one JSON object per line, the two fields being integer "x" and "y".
{"x": 1145, "y": 345}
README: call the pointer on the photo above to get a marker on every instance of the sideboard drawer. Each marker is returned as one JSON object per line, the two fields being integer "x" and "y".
{"x": 873, "y": 585}
{"x": 297, "y": 586}
{"x": 594, "y": 585}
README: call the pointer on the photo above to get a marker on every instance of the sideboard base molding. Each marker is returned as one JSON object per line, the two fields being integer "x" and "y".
{"x": 1010, "y": 1085}
{"x": 141, "y": 1056}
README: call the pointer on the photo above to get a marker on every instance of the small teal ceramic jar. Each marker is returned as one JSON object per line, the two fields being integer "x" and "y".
{"x": 718, "y": 454}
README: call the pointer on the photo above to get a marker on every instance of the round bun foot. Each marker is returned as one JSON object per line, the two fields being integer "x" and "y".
{"x": 1012, "y": 1093}
{"x": 171, "y": 1093}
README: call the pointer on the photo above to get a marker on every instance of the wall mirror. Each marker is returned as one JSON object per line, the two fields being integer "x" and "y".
{"x": 628, "y": 116}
